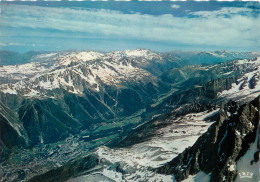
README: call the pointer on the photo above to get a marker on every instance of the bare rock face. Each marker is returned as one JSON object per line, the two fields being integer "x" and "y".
{"x": 221, "y": 146}
{"x": 252, "y": 82}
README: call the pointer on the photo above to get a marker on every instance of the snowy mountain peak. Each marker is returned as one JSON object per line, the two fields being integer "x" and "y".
{"x": 77, "y": 57}
{"x": 140, "y": 53}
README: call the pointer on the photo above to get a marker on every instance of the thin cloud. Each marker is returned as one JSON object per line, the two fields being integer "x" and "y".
{"x": 227, "y": 11}
{"x": 2, "y": 44}
{"x": 19, "y": 44}
{"x": 210, "y": 28}
{"x": 175, "y": 6}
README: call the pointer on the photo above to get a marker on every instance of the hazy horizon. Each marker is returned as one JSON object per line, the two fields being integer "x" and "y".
{"x": 108, "y": 51}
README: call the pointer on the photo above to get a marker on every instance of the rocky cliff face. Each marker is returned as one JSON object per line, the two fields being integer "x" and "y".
{"x": 218, "y": 150}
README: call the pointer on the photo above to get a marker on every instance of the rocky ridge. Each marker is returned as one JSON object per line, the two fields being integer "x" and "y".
{"x": 217, "y": 151}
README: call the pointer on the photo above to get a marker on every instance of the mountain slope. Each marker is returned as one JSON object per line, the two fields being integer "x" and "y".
{"x": 218, "y": 150}
{"x": 211, "y": 57}
{"x": 236, "y": 80}
{"x": 136, "y": 102}
{"x": 69, "y": 92}
{"x": 11, "y": 131}
{"x": 215, "y": 156}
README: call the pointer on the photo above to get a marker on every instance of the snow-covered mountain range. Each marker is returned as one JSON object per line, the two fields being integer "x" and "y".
{"x": 74, "y": 71}
{"x": 77, "y": 71}
{"x": 144, "y": 107}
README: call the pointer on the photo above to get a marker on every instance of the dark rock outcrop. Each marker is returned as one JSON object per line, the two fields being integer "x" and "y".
{"x": 221, "y": 146}
{"x": 252, "y": 82}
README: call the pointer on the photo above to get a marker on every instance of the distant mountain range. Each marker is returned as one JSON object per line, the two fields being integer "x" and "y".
{"x": 13, "y": 58}
{"x": 191, "y": 57}
{"x": 126, "y": 114}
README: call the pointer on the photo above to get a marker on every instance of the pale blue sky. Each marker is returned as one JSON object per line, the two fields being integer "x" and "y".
{"x": 106, "y": 26}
